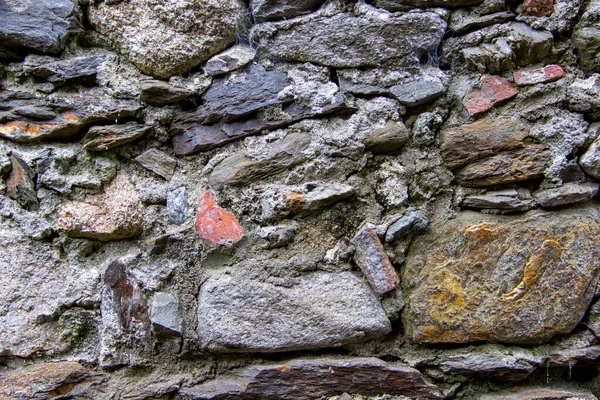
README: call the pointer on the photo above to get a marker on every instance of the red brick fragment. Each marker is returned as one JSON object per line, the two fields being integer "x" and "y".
{"x": 538, "y": 8}
{"x": 214, "y": 225}
{"x": 494, "y": 90}
{"x": 549, "y": 73}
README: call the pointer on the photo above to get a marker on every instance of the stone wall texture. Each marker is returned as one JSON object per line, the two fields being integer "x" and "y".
{"x": 300, "y": 199}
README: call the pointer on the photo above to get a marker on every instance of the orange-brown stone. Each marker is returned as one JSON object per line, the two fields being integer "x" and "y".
{"x": 538, "y": 8}
{"x": 214, "y": 225}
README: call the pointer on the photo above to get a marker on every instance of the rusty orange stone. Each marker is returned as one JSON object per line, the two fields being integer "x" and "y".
{"x": 494, "y": 90}
{"x": 538, "y": 8}
{"x": 214, "y": 225}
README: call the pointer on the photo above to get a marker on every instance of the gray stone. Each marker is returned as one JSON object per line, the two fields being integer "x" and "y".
{"x": 590, "y": 160}
{"x": 346, "y": 41}
{"x": 426, "y": 126}
{"x": 165, "y": 314}
{"x": 565, "y": 14}
{"x": 569, "y": 193}
{"x": 462, "y": 20}
{"x": 177, "y": 205}
{"x": 171, "y": 37}
{"x": 239, "y": 314}
{"x": 530, "y": 45}
{"x": 229, "y": 60}
{"x": 409, "y": 224}
{"x": 387, "y": 139}
{"x": 158, "y": 162}
{"x": 403, "y": 5}
{"x": 37, "y": 25}
{"x": 310, "y": 198}
{"x": 279, "y": 236}
{"x": 295, "y": 380}
{"x": 584, "y": 96}
{"x": 507, "y": 199}
{"x": 160, "y": 93}
{"x": 419, "y": 91}
{"x": 60, "y": 71}
{"x": 106, "y": 137}
{"x": 540, "y": 393}
{"x": 20, "y": 185}
{"x": 586, "y": 38}
{"x": 263, "y": 10}
{"x": 373, "y": 261}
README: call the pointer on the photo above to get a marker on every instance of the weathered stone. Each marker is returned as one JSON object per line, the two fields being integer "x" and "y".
{"x": 530, "y": 45}
{"x": 264, "y": 10}
{"x": 166, "y": 39}
{"x": 43, "y": 381}
{"x": 160, "y": 93}
{"x": 313, "y": 198}
{"x": 158, "y": 162}
{"x": 463, "y": 21}
{"x": 584, "y": 96}
{"x": 279, "y": 236}
{"x": 239, "y": 314}
{"x": 426, "y": 126}
{"x": 549, "y": 73}
{"x": 538, "y": 8}
{"x": 106, "y": 137}
{"x": 116, "y": 214}
{"x": 214, "y": 225}
{"x": 586, "y": 38}
{"x": 408, "y": 224}
{"x": 419, "y": 91}
{"x": 347, "y": 41}
{"x": 563, "y": 16}
{"x": 229, "y": 60}
{"x": 494, "y": 91}
{"x": 165, "y": 314}
{"x": 502, "y": 279}
{"x": 387, "y": 139}
{"x": 402, "y": 5}
{"x": 507, "y": 199}
{"x": 41, "y": 25}
{"x": 239, "y": 168}
{"x": 60, "y": 71}
{"x": 373, "y": 261}
{"x": 567, "y": 194}
{"x": 542, "y": 393}
{"x": 177, "y": 205}
{"x": 296, "y": 379}
{"x": 20, "y": 185}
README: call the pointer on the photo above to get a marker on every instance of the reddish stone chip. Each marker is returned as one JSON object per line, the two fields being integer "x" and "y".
{"x": 538, "y": 8}
{"x": 214, "y": 225}
{"x": 494, "y": 90}
{"x": 549, "y": 73}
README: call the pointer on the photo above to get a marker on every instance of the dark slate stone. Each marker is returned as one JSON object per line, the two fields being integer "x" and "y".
{"x": 177, "y": 205}
{"x": 263, "y": 10}
{"x": 66, "y": 70}
{"x": 412, "y": 222}
{"x": 20, "y": 185}
{"x": 160, "y": 93}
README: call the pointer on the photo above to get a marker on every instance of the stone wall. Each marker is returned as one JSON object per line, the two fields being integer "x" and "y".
{"x": 299, "y": 199}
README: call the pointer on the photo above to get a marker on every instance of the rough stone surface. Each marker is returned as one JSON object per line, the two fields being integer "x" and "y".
{"x": 584, "y": 95}
{"x": 158, "y": 162}
{"x": 312, "y": 199}
{"x": 540, "y": 270}
{"x": 370, "y": 256}
{"x": 408, "y": 224}
{"x": 102, "y": 138}
{"x": 170, "y": 38}
{"x": 177, "y": 205}
{"x": 214, "y": 225}
{"x": 569, "y": 193}
{"x": 507, "y": 199}
{"x": 240, "y": 314}
{"x": 590, "y": 160}
{"x": 295, "y": 380}
{"x": 165, "y": 314}
{"x": 229, "y": 60}
{"x": 538, "y": 8}
{"x": 60, "y": 71}
{"x": 387, "y": 139}
{"x": 264, "y": 10}
{"x": 396, "y": 5}
{"x": 549, "y": 73}
{"x": 539, "y": 393}
{"x": 20, "y": 185}
{"x": 494, "y": 91}
{"x": 160, "y": 93}
{"x": 586, "y": 38}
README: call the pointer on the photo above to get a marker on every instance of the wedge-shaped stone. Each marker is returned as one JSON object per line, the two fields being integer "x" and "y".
{"x": 58, "y": 71}
{"x": 239, "y": 314}
{"x": 105, "y": 137}
{"x": 295, "y": 380}
{"x": 263, "y": 10}
{"x": 395, "y": 5}
{"x": 541, "y": 393}
{"x": 20, "y": 185}
{"x": 502, "y": 279}
{"x": 569, "y": 193}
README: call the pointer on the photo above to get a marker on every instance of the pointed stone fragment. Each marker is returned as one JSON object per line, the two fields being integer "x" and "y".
{"x": 214, "y": 225}
{"x": 20, "y": 186}
{"x": 494, "y": 90}
{"x": 158, "y": 162}
{"x": 102, "y": 138}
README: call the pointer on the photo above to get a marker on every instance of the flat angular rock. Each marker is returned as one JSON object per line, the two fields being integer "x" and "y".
{"x": 507, "y": 199}
{"x": 20, "y": 185}
{"x": 585, "y": 38}
{"x": 569, "y": 193}
{"x": 462, "y": 21}
{"x": 299, "y": 203}
{"x": 295, "y": 380}
{"x": 160, "y": 93}
{"x": 502, "y": 279}
{"x": 408, "y": 224}
{"x": 229, "y": 60}
{"x": 61, "y": 71}
{"x": 177, "y": 205}
{"x": 494, "y": 91}
{"x": 584, "y": 96}
{"x": 265, "y": 10}
{"x": 106, "y": 137}
{"x": 538, "y": 8}
{"x": 158, "y": 162}
{"x": 530, "y": 45}
{"x": 239, "y": 314}
{"x": 403, "y": 5}
{"x": 37, "y": 25}
{"x": 116, "y": 214}
{"x": 348, "y": 41}
{"x": 387, "y": 139}
{"x": 170, "y": 38}
{"x": 373, "y": 261}
{"x": 165, "y": 314}
{"x": 419, "y": 91}
{"x": 549, "y": 73}
{"x": 541, "y": 393}
{"x": 214, "y": 225}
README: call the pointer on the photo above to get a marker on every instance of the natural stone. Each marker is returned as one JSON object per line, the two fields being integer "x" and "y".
{"x": 296, "y": 379}
{"x": 239, "y": 314}
{"x": 502, "y": 279}
{"x": 462, "y": 21}
{"x": 538, "y": 8}
{"x": 373, "y": 261}
{"x": 567, "y": 194}
{"x": 20, "y": 185}
{"x": 116, "y": 214}
{"x": 494, "y": 91}
{"x": 402, "y": 5}
{"x": 584, "y": 96}
{"x": 548, "y": 73}
{"x": 177, "y": 205}
{"x": 586, "y": 38}
{"x": 165, "y": 314}
{"x": 60, "y": 71}
{"x": 387, "y": 139}
{"x": 41, "y": 25}
{"x": 312, "y": 198}
{"x": 348, "y": 41}
{"x": 426, "y": 126}
{"x": 530, "y": 45}
{"x": 170, "y": 38}
{"x": 279, "y": 236}
{"x": 507, "y": 199}
{"x": 158, "y": 162}
{"x": 106, "y": 137}
{"x": 214, "y": 225}
{"x": 408, "y": 224}
{"x": 160, "y": 93}
{"x": 419, "y": 91}
{"x": 229, "y": 60}
{"x": 264, "y": 10}
{"x": 540, "y": 393}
